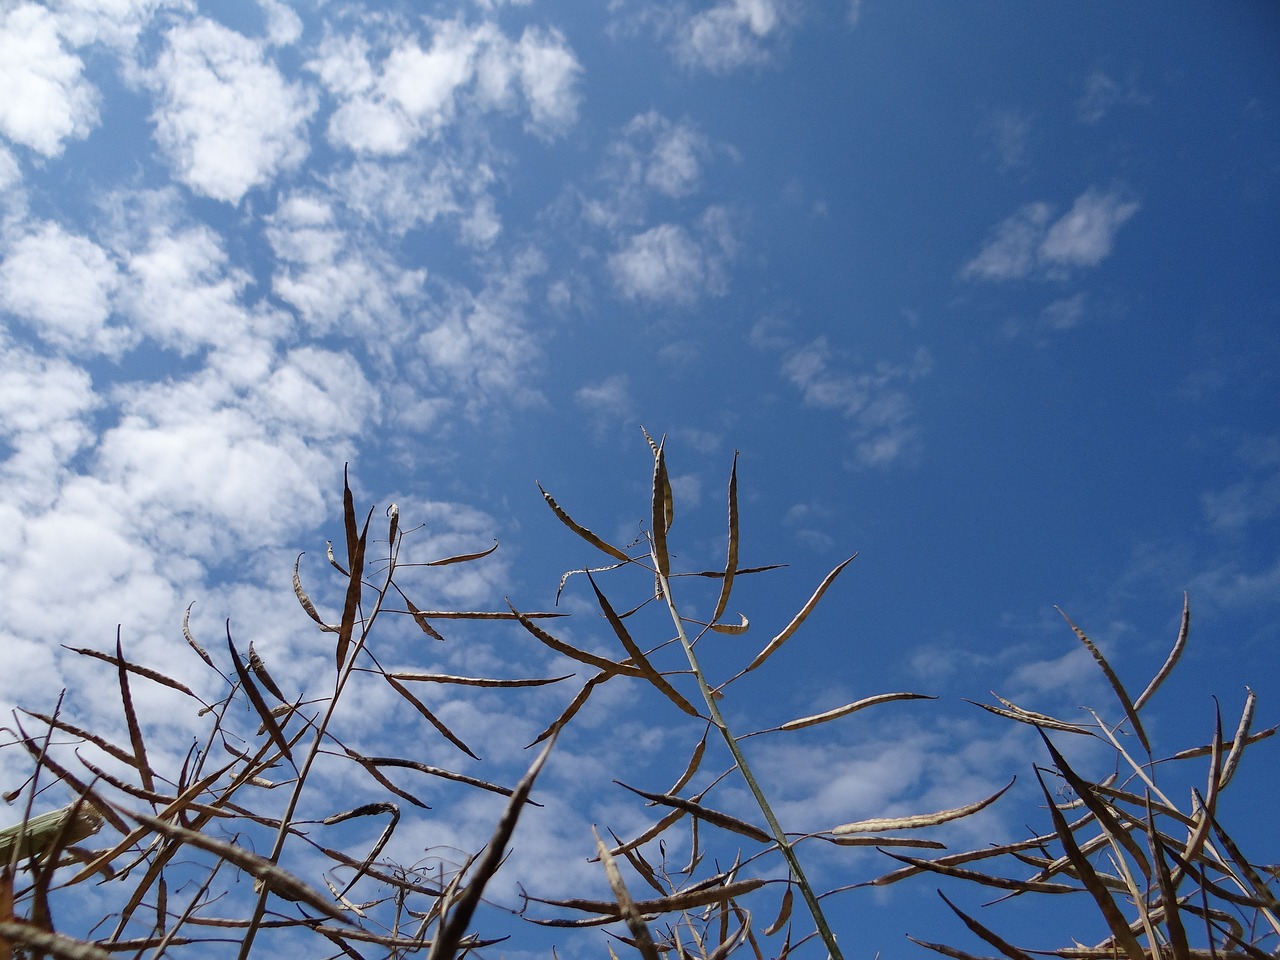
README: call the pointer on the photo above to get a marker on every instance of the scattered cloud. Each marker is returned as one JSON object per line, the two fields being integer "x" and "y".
{"x": 1102, "y": 94}
{"x": 874, "y": 401}
{"x": 662, "y": 155}
{"x": 610, "y": 398}
{"x": 1009, "y": 131}
{"x": 46, "y": 97}
{"x": 334, "y": 281}
{"x": 116, "y": 23}
{"x": 62, "y": 284}
{"x": 669, "y": 264}
{"x": 44, "y": 421}
{"x": 477, "y": 347}
{"x": 411, "y": 93}
{"x": 1028, "y": 243}
{"x": 662, "y": 264}
{"x": 1011, "y": 251}
{"x": 226, "y": 117}
{"x": 1062, "y": 314}
{"x": 729, "y": 35}
{"x": 1083, "y": 237}
{"x": 1235, "y": 508}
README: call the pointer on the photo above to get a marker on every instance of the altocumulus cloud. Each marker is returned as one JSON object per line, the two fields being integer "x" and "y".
{"x": 227, "y": 118}
{"x": 62, "y": 285}
{"x": 46, "y": 98}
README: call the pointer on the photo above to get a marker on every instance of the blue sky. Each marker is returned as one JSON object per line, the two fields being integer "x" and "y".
{"x": 986, "y": 293}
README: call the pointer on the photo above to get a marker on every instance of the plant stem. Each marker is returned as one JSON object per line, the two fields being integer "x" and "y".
{"x": 717, "y": 719}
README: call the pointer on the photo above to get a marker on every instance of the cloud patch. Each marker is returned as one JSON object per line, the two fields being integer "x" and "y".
{"x": 62, "y": 284}
{"x": 1030, "y": 242}
{"x": 669, "y": 264}
{"x": 387, "y": 103}
{"x": 226, "y": 117}
{"x": 729, "y": 35}
{"x": 874, "y": 401}
{"x": 46, "y": 99}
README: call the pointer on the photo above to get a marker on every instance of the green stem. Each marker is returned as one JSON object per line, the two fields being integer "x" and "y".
{"x": 717, "y": 719}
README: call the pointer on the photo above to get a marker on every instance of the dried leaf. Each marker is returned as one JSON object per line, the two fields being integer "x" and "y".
{"x": 637, "y": 656}
{"x": 264, "y": 712}
{"x": 260, "y": 671}
{"x": 663, "y": 511}
{"x": 1006, "y": 948}
{"x": 131, "y": 719}
{"x": 305, "y": 600}
{"x": 574, "y": 706}
{"x": 1239, "y": 741}
{"x": 430, "y": 717}
{"x": 986, "y": 880}
{"x": 784, "y": 914}
{"x": 478, "y": 681}
{"x": 838, "y": 712}
{"x": 799, "y": 618}
{"x": 692, "y": 767}
{"x": 282, "y": 883}
{"x": 191, "y": 640}
{"x": 920, "y": 820}
{"x": 731, "y": 561}
{"x": 582, "y": 656}
{"x": 733, "y": 629}
{"x": 1084, "y": 790}
{"x": 626, "y": 906}
{"x": 1121, "y": 694}
{"x": 714, "y": 817}
{"x": 355, "y": 587}
{"x": 1088, "y": 876}
{"x": 1179, "y": 644}
{"x": 449, "y": 939}
{"x": 582, "y": 531}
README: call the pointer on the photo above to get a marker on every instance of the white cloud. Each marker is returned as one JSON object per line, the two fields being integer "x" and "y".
{"x": 182, "y": 291}
{"x": 652, "y": 157}
{"x": 46, "y": 99}
{"x": 662, "y": 263}
{"x": 332, "y": 283}
{"x": 662, "y": 155}
{"x": 416, "y": 191}
{"x": 1009, "y": 131}
{"x": 44, "y": 408}
{"x": 203, "y": 469}
{"x": 62, "y": 284}
{"x": 1011, "y": 252}
{"x": 730, "y": 34}
{"x": 1083, "y": 237}
{"x": 10, "y": 172}
{"x": 283, "y": 25}
{"x": 417, "y": 92}
{"x": 548, "y": 76}
{"x": 227, "y": 118}
{"x": 666, "y": 264}
{"x": 609, "y": 399}
{"x": 116, "y": 23}
{"x": 477, "y": 348}
{"x": 1062, "y": 314}
{"x": 1102, "y": 94}
{"x": 1235, "y": 508}
{"x": 874, "y": 402}
{"x": 1027, "y": 242}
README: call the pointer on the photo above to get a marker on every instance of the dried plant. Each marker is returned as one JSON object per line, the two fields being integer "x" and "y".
{"x": 178, "y": 837}
{"x": 723, "y": 919}
{"x": 1168, "y": 881}
{"x": 173, "y": 843}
